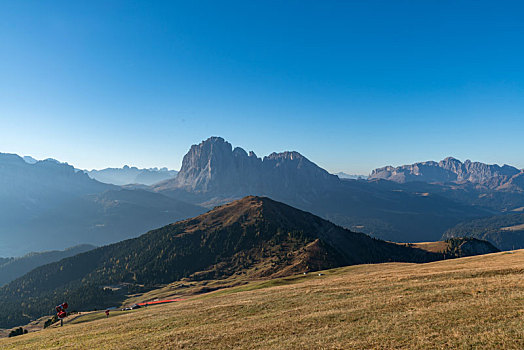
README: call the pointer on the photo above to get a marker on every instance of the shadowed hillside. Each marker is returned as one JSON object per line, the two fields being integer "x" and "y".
{"x": 13, "y": 268}
{"x": 505, "y": 231}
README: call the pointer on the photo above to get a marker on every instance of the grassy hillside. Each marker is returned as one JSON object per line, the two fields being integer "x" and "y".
{"x": 474, "y": 302}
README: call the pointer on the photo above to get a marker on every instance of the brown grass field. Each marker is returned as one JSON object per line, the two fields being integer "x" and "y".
{"x": 434, "y": 247}
{"x": 468, "y": 303}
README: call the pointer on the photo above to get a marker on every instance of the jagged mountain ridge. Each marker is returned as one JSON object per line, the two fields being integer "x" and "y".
{"x": 250, "y": 238}
{"x": 452, "y": 170}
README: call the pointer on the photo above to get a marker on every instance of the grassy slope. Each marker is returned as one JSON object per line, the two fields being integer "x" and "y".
{"x": 473, "y": 302}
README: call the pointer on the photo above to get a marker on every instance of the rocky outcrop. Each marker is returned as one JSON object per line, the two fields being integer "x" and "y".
{"x": 449, "y": 170}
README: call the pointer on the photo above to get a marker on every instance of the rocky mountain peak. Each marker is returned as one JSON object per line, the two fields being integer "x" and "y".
{"x": 214, "y": 166}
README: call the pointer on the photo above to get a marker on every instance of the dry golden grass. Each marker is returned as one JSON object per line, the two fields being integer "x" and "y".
{"x": 468, "y": 303}
{"x": 434, "y": 247}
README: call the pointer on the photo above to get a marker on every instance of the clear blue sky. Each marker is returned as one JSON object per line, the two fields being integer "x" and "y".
{"x": 352, "y": 85}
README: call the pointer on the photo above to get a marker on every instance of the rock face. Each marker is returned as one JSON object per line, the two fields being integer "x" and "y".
{"x": 214, "y": 167}
{"x": 449, "y": 170}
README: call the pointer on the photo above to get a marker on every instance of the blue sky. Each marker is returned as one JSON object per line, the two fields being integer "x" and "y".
{"x": 353, "y": 85}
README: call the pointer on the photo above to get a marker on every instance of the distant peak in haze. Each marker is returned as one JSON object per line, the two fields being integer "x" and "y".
{"x": 343, "y": 175}
{"x": 131, "y": 175}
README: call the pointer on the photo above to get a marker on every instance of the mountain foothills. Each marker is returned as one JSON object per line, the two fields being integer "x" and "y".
{"x": 12, "y": 268}
{"x": 251, "y": 238}
{"x": 50, "y": 205}
{"x": 131, "y": 175}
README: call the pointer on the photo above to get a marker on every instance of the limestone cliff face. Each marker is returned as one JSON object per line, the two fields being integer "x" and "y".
{"x": 213, "y": 166}
{"x": 449, "y": 170}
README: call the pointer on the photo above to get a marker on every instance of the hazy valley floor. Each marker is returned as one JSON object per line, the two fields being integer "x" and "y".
{"x": 474, "y": 302}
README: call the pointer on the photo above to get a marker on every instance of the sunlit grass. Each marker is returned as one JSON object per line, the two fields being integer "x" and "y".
{"x": 468, "y": 303}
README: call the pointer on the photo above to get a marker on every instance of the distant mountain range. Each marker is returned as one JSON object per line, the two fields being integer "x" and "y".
{"x": 50, "y": 205}
{"x": 251, "y": 238}
{"x": 121, "y": 176}
{"x": 12, "y": 268}
{"x": 450, "y": 169}
{"x": 131, "y": 175}
{"x": 214, "y": 173}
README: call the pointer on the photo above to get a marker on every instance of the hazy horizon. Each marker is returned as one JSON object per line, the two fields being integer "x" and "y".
{"x": 351, "y": 85}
